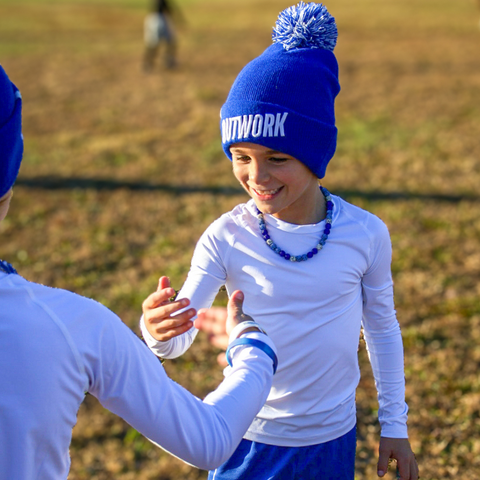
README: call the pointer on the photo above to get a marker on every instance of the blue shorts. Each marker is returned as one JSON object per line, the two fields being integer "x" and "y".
{"x": 334, "y": 460}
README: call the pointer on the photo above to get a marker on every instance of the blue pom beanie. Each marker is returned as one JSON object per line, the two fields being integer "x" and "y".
{"x": 11, "y": 139}
{"x": 284, "y": 99}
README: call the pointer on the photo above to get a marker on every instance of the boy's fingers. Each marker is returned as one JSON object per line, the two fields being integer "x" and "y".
{"x": 169, "y": 333}
{"x": 212, "y": 320}
{"x": 403, "y": 472}
{"x": 219, "y": 341}
{"x": 159, "y": 298}
{"x": 172, "y": 307}
{"x": 150, "y": 302}
{"x": 180, "y": 323}
{"x": 398, "y": 449}
{"x": 163, "y": 315}
{"x": 163, "y": 282}
{"x": 415, "y": 474}
{"x": 222, "y": 359}
{"x": 407, "y": 469}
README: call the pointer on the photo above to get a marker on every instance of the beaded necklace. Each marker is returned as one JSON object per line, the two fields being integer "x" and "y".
{"x": 314, "y": 250}
{"x": 6, "y": 267}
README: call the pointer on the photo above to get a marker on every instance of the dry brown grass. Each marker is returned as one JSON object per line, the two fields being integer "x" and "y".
{"x": 408, "y": 151}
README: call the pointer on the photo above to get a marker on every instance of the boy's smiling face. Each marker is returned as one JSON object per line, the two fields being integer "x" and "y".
{"x": 279, "y": 184}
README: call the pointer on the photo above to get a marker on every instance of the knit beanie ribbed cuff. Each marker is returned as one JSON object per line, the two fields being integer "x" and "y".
{"x": 11, "y": 138}
{"x": 281, "y": 129}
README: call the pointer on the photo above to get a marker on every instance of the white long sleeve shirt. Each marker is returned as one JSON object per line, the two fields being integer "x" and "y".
{"x": 56, "y": 345}
{"x": 313, "y": 311}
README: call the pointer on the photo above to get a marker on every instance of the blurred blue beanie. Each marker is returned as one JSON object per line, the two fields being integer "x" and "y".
{"x": 285, "y": 98}
{"x": 11, "y": 138}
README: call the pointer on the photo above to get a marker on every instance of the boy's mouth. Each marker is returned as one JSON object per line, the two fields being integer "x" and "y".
{"x": 266, "y": 194}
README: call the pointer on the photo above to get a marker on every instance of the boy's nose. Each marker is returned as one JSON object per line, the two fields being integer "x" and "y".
{"x": 257, "y": 172}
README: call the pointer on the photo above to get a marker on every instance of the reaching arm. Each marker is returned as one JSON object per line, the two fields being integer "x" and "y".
{"x": 135, "y": 386}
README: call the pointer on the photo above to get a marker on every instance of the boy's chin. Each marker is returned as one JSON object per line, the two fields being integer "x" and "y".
{"x": 265, "y": 208}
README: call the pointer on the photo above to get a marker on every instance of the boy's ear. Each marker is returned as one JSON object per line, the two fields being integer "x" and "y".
{"x": 5, "y": 204}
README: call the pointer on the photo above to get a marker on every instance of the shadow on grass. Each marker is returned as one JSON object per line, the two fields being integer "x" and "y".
{"x": 60, "y": 183}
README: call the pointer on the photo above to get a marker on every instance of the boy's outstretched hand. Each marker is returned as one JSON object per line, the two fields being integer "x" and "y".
{"x": 158, "y": 310}
{"x": 400, "y": 450}
{"x": 218, "y": 322}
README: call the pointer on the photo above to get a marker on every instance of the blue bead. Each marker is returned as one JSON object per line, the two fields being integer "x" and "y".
{"x": 309, "y": 254}
{"x": 287, "y": 256}
{"x": 304, "y": 258}
{"x": 281, "y": 253}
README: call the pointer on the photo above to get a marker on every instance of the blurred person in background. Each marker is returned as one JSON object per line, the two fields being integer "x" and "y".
{"x": 158, "y": 29}
{"x": 56, "y": 345}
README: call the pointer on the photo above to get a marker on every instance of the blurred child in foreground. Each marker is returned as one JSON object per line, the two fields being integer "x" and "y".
{"x": 56, "y": 345}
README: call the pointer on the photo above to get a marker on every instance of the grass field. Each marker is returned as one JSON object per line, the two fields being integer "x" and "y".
{"x": 123, "y": 171}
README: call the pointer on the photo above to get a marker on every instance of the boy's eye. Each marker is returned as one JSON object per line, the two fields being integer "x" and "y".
{"x": 242, "y": 158}
{"x": 278, "y": 159}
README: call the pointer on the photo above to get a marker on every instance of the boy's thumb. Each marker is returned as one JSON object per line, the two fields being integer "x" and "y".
{"x": 382, "y": 467}
{"x": 235, "y": 304}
